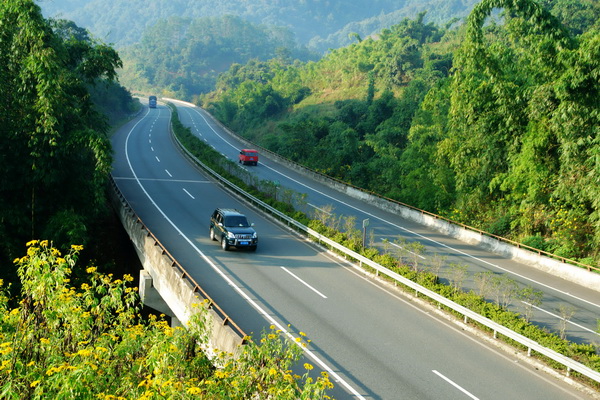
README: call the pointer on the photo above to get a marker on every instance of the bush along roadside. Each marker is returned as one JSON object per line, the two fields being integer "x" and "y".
{"x": 502, "y": 290}
{"x": 90, "y": 341}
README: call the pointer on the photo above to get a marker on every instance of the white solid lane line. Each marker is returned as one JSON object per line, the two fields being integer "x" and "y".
{"x": 455, "y": 385}
{"x": 303, "y": 282}
{"x": 561, "y": 318}
{"x": 400, "y": 247}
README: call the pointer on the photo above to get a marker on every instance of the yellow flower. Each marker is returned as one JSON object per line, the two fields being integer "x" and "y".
{"x": 91, "y": 270}
{"x": 194, "y": 390}
{"x": 308, "y": 366}
{"x": 34, "y": 383}
{"x": 272, "y": 371}
{"x": 84, "y": 352}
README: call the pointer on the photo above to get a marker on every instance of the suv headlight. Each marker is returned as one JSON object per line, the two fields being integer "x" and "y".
{"x": 254, "y": 236}
{"x": 230, "y": 235}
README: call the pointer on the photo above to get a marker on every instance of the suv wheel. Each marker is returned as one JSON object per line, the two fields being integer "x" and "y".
{"x": 224, "y": 244}
{"x": 212, "y": 234}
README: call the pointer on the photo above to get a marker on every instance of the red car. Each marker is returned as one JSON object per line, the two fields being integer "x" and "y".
{"x": 248, "y": 156}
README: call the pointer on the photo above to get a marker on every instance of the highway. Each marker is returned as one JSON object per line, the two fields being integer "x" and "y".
{"x": 559, "y": 296}
{"x": 375, "y": 342}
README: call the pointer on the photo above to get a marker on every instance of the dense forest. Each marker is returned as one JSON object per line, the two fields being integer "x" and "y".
{"x": 56, "y": 81}
{"x": 319, "y": 24}
{"x": 494, "y": 123}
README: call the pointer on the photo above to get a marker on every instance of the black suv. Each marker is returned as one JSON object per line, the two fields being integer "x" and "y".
{"x": 231, "y": 228}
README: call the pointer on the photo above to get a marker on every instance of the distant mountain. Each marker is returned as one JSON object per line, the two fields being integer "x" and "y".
{"x": 319, "y": 24}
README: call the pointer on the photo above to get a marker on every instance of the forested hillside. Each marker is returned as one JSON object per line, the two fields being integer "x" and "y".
{"x": 123, "y": 22}
{"x": 177, "y": 48}
{"x": 495, "y": 123}
{"x": 182, "y": 57}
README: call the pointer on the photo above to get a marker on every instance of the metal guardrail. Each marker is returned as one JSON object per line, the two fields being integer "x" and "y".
{"x": 182, "y": 272}
{"x": 530, "y": 344}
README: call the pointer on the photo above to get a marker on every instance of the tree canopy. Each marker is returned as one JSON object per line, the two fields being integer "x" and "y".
{"x": 320, "y": 24}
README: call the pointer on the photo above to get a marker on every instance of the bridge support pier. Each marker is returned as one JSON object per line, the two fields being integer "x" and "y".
{"x": 151, "y": 298}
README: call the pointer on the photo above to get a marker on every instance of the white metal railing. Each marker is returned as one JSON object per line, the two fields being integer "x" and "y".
{"x": 531, "y": 345}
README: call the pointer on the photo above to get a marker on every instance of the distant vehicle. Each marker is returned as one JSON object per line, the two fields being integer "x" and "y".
{"x": 248, "y": 156}
{"x": 231, "y": 228}
{"x": 152, "y": 101}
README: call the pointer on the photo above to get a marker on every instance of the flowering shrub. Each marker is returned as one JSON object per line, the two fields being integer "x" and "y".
{"x": 91, "y": 342}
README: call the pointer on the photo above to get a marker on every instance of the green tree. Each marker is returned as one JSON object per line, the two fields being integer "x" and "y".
{"x": 55, "y": 152}
{"x": 426, "y": 180}
{"x": 492, "y": 85}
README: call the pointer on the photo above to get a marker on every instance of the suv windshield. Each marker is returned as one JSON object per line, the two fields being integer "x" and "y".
{"x": 236, "y": 221}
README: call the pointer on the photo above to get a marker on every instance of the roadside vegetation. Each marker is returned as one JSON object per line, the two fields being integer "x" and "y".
{"x": 491, "y": 124}
{"x": 69, "y": 328}
{"x": 85, "y": 338}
